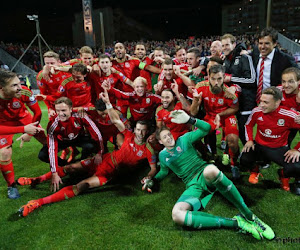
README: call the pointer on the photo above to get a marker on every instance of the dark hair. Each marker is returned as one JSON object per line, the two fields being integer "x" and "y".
{"x": 216, "y": 69}
{"x": 65, "y": 100}
{"x": 159, "y": 130}
{"x": 142, "y": 123}
{"x": 100, "y": 105}
{"x": 170, "y": 90}
{"x": 80, "y": 67}
{"x": 103, "y": 56}
{"x": 168, "y": 61}
{"x": 269, "y": 32}
{"x": 275, "y": 92}
{"x": 196, "y": 51}
{"x": 293, "y": 70}
{"x": 6, "y": 76}
{"x": 216, "y": 59}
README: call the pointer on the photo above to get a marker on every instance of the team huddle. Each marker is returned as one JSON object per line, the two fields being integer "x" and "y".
{"x": 162, "y": 112}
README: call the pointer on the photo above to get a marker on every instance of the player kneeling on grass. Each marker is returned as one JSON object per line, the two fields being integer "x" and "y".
{"x": 202, "y": 180}
{"x": 133, "y": 150}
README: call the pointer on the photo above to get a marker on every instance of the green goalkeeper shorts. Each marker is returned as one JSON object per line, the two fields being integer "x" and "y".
{"x": 197, "y": 193}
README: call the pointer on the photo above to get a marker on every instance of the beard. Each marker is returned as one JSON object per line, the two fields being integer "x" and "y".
{"x": 216, "y": 89}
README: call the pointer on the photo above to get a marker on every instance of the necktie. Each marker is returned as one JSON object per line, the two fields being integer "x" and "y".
{"x": 260, "y": 80}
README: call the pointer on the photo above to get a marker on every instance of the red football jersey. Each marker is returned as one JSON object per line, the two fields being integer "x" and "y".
{"x": 106, "y": 127}
{"x": 141, "y": 107}
{"x": 131, "y": 153}
{"x": 115, "y": 79}
{"x": 182, "y": 88}
{"x": 214, "y": 103}
{"x": 163, "y": 115}
{"x": 14, "y": 109}
{"x": 272, "y": 128}
{"x": 128, "y": 68}
{"x": 50, "y": 87}
{"x": 289, "y": 100}
{"x": 67, "y": 131}
{"x": 79, "y": 93}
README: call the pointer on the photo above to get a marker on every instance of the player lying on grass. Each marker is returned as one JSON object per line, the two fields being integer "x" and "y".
{"x": 133, "y": 150}
{"x": 202, "y": 180}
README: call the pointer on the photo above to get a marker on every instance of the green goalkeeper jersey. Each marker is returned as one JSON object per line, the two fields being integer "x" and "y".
{"x": 184, "y": 160}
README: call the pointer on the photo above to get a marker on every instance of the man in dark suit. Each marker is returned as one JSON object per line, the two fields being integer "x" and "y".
{"x": 275, "y": 61}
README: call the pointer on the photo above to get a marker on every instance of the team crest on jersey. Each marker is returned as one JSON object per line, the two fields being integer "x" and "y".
{"x": 213, "y": 99}
{"x": 71, "y": 136}
{"x": 147, "y": 100}
{"x": 221, "y": 101}
{"x": 40, "y": 83}
{"x": 280, "y": 122}
{"x": 3, "y": 141}
{"x": 50, "y": 81}
{"x": 31, "y": 98}
{"x": 179, "y": 150}
{"x": 16, "y": 105}
{"x": 62, "y": 128}
{"x": 140, "y": 153}
{"x": 127, "y": 64}
{"x": 61, "y": 89}
{"x": 237, "y": 61}
{"x": 76, "y": 124}
{"x": 268, "y": 131}
{"x": 110, "y": 80}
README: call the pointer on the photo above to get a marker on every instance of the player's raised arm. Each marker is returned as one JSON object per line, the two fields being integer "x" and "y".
{"x": 113, "y": 115}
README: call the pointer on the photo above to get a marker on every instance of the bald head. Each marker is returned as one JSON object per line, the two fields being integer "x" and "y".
{"x": 216, "y": 48}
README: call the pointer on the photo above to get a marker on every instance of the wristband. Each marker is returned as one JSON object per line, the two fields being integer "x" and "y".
{"x": 192, "y": 120}
{"x": 108, "y": 106}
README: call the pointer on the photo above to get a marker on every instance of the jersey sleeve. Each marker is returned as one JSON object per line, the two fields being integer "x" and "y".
{"x": 164, "y": 170}
{"x": 193, "y": 136}
{"x": 31, "y": 102}
{"x": 250, "y": 125}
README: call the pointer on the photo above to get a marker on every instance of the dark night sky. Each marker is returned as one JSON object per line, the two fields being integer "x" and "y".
{"x": 196, "y": 18}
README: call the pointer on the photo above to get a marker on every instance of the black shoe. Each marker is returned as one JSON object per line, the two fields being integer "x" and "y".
{"x": 295, "y": 188}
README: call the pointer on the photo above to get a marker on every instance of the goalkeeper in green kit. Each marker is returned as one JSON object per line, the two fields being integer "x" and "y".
{"x": 202, "y": 181}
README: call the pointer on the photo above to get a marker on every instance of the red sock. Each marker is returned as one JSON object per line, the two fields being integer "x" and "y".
{"x": 48, "y": 176}
{"x": 63, "y": 194}
{"x": 8, "y": 173}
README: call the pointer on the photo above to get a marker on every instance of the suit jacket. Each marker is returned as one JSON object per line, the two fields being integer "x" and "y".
{"x": 280, "y": 62}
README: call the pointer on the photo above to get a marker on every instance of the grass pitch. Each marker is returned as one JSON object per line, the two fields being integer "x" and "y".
{"x": 121, "y": 216}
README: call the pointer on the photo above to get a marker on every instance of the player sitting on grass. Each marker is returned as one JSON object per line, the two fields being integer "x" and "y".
{"x": 202, "y": 180}
{"x": 133, "y": 150}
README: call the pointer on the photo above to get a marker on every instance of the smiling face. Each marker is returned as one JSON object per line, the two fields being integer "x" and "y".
{"x": 181, "y": 55}
{"x": 63, "y": 111}
{"x": 227, "y": 46}
{"x": 216, "y": 48}
{"x": 289, "y": 82}
{"x": 268, "y": 104}
{"x": 140, "y": 132}
{"x": 167, "y": 98}
{"x": 139, "y": 86}
{"x": 266, "y": 45}
{"x": 140, "y": 51}
{"x": 168, "y": 71}
{"x": 192, "y": 60}
{"x": 12, "y": 89}
{"x": 167, "y": 139}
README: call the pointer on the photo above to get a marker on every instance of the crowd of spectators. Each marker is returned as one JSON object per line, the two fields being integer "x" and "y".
{"x": 32, "y": 57}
